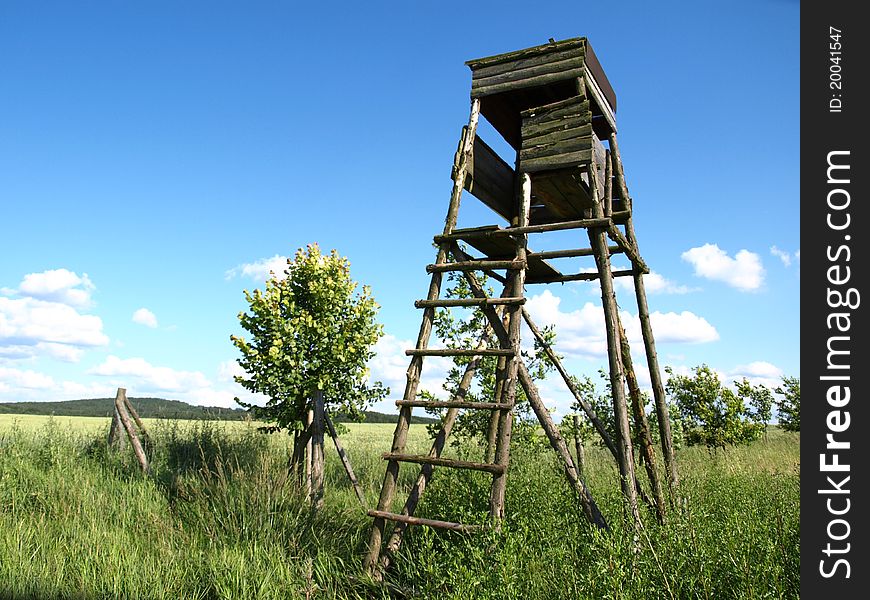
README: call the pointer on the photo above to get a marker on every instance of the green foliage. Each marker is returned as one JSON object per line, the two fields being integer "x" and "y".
{"x": 789, "y": 403}
{"x": 466, "y": 333}
{"x": 713, "y": 414}
{"x": 233, "y": 525}
{"x": 309, "y": 331}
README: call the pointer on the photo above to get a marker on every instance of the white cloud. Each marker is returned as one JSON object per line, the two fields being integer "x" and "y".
{"x": 58, "y": 285}
{"x": 145, "y": 317}
{"x": 787, "y": 258}
{"x": 654, "y": 283}
{"x": 758, "y": 373}
{"x": 581, "y": 332}
{"x": 31, "y": 327}
{"x": 683, "y": 328}
{"x": 260, "y": 270}
{"x": 152, "y": 378}
{"x": 744, "y": 271}
{"x": 12, "y": 379}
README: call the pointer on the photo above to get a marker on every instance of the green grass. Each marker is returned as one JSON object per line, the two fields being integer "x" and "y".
{"x": 220, "y": 518}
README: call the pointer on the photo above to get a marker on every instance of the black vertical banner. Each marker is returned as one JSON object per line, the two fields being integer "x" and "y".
{"x": 835, "y": 353}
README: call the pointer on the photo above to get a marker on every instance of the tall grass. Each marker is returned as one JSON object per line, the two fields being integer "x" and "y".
{"x": 220, "y": 518}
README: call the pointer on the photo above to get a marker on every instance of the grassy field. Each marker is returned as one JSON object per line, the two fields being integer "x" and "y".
{"x": 220, "y": 519}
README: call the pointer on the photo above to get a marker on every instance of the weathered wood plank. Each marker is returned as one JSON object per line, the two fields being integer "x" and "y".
{"x": 556, "y": 148}
{"x": 460, "y": 352}
{"x": 571, "y": 63}
{"x": 538, "y": 80}
{"x": 529, "y": 131}
{"x": 345, "y": 460}
{"x": 576, "y": 105}
{"x": 554, "y": 136}
{"x": 525, "y": 63}
{"x": 557, "y": 161}
{"x": 477, "y": 63}
{"x": 490, "y": 179}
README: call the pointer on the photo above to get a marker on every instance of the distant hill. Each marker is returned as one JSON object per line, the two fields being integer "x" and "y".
{"x": 157, "y": 408}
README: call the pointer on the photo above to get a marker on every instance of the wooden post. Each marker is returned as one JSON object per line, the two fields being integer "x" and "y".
{"x": 641, "y": 425}
{"x": 400, "y": 436}
{"x": 318, "y": 458}
{"x": 578, "y": 447}
{"x": 500, "y": 375}
{"x": 598, "y": 241}
{"x": 116, "y": 431}
{"x": 128, "y": 427}
{"x": 345, "y": 460}
{"x": 309, "y": 455}
{"x": 509, "y": 391}
{"x": 144, "y": 432}
{"x": 662, "y": 411}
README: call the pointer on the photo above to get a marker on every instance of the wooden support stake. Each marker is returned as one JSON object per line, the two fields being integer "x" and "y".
{"x": 345, "y": 460}
{"x": 318, "y": 460}
{"x": 628, "y": 480}
{"x": 641, "y": 425}
{"x": 309, "y": 456}
{"x": 116, "y": 431}
{"x": 662, "y": 410}
{"x": 578, "y": 447}
{"x": 608, "y": 185}
{"x": 144, "y": 432}
{"x": 509, "y": 389}
{"x": 128, "y": 427}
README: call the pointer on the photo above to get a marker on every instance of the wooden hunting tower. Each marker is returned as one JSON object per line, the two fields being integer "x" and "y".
{"x": 555, "y": 107}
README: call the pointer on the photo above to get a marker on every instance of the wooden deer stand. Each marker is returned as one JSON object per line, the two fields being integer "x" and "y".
{"x": 121, "y": 425}
{"x": 555, "y": 107}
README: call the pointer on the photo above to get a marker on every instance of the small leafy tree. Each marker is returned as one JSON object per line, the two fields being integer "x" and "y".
{"x": 310, "y": 336}
{"x": 789, "y": 403}
{"x": 713, "y": 414}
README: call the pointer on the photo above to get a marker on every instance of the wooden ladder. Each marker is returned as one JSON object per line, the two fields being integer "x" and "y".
{"x": 508, "y": 353}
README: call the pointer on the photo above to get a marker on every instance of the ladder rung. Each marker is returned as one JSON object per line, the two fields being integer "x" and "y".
{"x": 468, "y": 302}
{"x": 423, "y": 459}
{"x": 427, "y": 522}
{"x": 462, "y": 352}
{"x": 455, "y": 404}
{"x": 476, "y": 265}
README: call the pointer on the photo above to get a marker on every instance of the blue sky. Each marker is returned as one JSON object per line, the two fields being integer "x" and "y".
{"x": 156, "y": 158}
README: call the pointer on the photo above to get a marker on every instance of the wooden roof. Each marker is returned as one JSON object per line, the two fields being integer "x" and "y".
{"x": 510, "y": 83}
